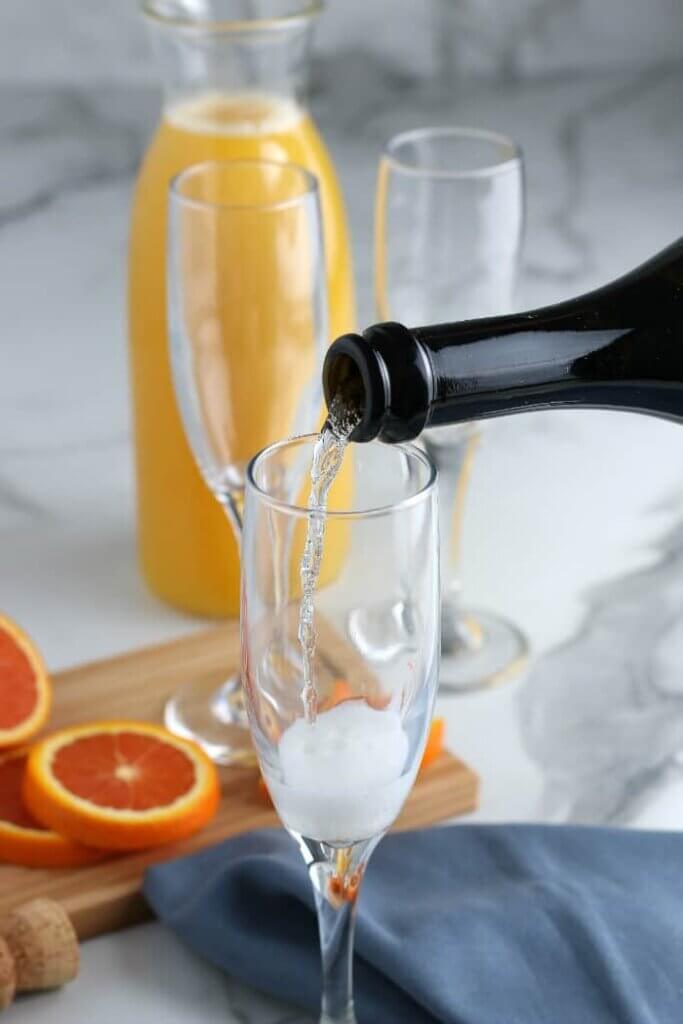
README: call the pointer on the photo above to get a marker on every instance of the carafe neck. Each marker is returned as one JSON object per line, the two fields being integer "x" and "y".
{"x": 198, "y": 54}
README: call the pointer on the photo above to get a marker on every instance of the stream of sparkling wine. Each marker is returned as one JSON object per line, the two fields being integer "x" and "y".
{"x": 328, "y": 456}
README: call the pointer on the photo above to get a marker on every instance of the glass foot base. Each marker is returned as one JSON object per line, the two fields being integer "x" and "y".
{"x": 486, "y": 650}
{"x": 215, "y": 718}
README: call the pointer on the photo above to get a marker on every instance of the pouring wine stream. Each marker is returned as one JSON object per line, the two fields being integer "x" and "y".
{"x": 327, "y": 459}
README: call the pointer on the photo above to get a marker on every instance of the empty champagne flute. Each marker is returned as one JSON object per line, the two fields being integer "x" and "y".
{"x": 247, "y": 318}
{"x": 448, "y": 233}
{"x": 339, "y": 773}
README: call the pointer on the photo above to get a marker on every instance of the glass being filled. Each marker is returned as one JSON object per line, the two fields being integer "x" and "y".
{"x": 339, "y": 740}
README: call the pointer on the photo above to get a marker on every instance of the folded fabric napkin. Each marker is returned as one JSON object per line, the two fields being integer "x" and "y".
{"x": 467, "y": 924}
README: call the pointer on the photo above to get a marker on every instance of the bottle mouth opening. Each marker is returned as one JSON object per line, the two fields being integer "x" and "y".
{"x": 385, "y": 377}
{"x": 227, "y": 16}
{"x": 345, "y": 380}
{"x": 350, "y": 378}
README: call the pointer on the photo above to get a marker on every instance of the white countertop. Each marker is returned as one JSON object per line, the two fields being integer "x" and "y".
{"x": 559, "y": 503}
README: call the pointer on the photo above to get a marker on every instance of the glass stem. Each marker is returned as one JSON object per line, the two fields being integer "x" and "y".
{"x": 453, "y": 457}
{"x": 336, "y": 927}
{"x": 336, "y": 873}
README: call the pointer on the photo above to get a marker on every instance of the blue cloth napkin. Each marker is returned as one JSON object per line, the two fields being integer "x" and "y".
{"x": 467, "y": 924}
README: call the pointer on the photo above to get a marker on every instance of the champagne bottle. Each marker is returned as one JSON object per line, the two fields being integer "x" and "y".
{"x": 619, "y": 347}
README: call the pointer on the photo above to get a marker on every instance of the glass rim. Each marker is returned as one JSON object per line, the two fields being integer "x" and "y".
{"x": 310, "y": 180}
{"x": 305, "y": 512}
{"x": 154, "y": 11}
{"x": 486, "y": 170}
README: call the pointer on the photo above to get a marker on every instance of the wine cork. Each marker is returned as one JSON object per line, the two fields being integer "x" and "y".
{"x": 42, "y": 943}
{"x": 8, "y": 981}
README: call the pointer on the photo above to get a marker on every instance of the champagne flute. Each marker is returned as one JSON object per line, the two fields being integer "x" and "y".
{"x": 246, "y": 275}
{"x": 448, "y": 234}
{"x": 339, "y": 783}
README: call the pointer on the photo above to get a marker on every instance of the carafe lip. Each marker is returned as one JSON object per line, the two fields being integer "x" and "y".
{"x": 173, "y": 16}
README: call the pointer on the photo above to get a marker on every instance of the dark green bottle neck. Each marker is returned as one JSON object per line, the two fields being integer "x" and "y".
{"x": 619, "y": 347}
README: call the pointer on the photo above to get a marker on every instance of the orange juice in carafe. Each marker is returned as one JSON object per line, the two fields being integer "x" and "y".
{"x": 187, "y": 552}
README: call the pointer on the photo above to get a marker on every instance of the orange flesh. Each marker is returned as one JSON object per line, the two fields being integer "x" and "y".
{"x": 124, "y": 771}
{"x": 12, "y": 807}
{"x": 18, "y": 689}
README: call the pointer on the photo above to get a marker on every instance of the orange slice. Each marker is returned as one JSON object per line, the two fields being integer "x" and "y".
{"x": 24, "y": 686}
{"x": 434, "y": 745}
{"x": 22, "y": 839}
{"x": 339, "y": 692}
{"x": 120, "y": 785}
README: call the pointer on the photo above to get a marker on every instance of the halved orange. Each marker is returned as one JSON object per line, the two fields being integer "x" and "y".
{"x": 25, "y": 694}
{"x": 120, "y": 785}
{"x": 22, "y": 839}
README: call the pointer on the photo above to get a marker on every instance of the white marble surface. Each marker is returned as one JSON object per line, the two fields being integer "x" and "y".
{"x": 83, "y": 40}
{"x": 559, "y": 502}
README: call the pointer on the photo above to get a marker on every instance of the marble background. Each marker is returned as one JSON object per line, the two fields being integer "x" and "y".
{"x": 574, "y": 522}
{"x": 85, "y": 39}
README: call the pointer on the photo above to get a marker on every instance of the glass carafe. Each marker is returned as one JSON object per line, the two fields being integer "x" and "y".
{"x": 233, "y": 74}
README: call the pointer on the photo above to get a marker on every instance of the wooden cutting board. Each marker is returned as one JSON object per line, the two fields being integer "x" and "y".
{"x": 104, "y": 897}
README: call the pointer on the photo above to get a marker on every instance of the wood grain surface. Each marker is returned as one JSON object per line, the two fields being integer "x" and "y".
{"x": 104, "y": 897}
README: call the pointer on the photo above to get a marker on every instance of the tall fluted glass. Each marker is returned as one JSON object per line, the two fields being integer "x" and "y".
{"x": 339, "y": 783}
{"x": 247, "y": 320}
{"x": 448, "y": 236}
